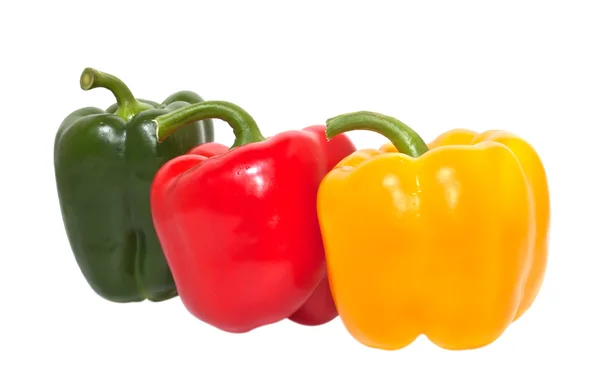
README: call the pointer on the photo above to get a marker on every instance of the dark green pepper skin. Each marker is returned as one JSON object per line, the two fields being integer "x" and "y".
{"x": 104, "y": 167}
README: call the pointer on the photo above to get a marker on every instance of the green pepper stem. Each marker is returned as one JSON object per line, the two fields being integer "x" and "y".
{"x": 128, "y": 106}
{"x": 244, "y": 127}
{"x": 402, "y": 136}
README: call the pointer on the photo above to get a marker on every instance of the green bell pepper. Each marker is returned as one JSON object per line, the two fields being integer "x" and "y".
{"x": 104, "y": 162}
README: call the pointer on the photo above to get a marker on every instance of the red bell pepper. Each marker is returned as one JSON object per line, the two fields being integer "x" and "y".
{"x": 239, "y": 225}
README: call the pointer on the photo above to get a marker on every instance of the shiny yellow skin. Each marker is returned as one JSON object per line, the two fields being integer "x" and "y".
{"x": 451, "y": 245}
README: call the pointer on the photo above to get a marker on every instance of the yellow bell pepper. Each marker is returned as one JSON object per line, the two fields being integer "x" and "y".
{"x": 447, "y": 241}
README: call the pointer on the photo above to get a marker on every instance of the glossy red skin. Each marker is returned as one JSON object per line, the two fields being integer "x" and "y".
{"x": 320, "y": 307}
{"x": 335, "y": 149}
{"x": 243, "y": 249}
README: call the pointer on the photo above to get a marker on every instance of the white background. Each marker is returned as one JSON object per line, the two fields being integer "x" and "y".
{"x": 528, "y": 67}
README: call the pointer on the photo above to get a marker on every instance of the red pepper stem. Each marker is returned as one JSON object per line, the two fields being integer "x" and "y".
{"x": 402, "y": 136}
{"x": 244, "y": 127}
{"x": 127, "y": 105}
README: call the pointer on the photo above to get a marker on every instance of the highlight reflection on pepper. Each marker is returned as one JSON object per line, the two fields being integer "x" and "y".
{"x": 449, "y": 241}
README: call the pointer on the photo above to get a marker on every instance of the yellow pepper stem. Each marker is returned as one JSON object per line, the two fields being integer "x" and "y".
{"x": 401, "y": 135}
